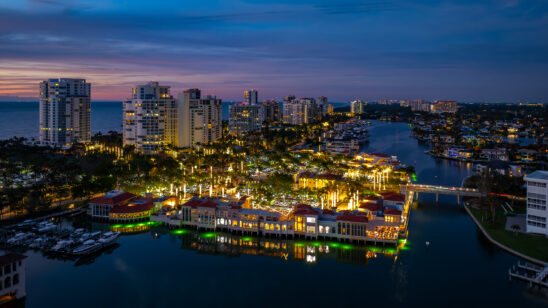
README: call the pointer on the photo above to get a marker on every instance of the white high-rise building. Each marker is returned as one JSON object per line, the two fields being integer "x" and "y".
{"x": 251, "y": 97}
{"x": 150, "y": 118}
{"x": 537, "y": 195}
{"x": 356, "y": 106}
{"x": 65, "y": 111}
{"x": 200, "y": 119}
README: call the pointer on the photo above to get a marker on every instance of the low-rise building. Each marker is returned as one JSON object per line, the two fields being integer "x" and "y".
{"x": 537, "y": 195}
{"x": 121, "y": 206}
{"x": 100, "y": 207}
{"x": 12, "y": 277}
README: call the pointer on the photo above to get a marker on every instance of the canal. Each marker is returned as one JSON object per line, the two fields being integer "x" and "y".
{"x": 156, "y": 268}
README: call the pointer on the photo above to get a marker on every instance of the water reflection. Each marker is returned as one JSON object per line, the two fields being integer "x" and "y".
{"x": 225, "y": 244}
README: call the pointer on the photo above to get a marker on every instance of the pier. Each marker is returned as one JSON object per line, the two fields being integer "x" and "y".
{"x": 531, "y": 273}
{"x": 437, "y": 190}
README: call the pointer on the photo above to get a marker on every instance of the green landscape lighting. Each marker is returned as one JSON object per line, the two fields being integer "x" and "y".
{"x": 316, "y": 244}
{"x": 208, "y": 235}
{"x": 129, "y": 226}
{"x": 347, "y": 247}
{"x": 179, "y": 231}
{"x": 334, "y": 244}
{"x": 246, "y": 239}
{"x": 299, "y": 244}
{"x": 414, "y": 177}
{"x": 116, "y": 226}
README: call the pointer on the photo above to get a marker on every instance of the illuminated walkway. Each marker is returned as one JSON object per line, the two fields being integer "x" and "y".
{"x": 437, "y": 190}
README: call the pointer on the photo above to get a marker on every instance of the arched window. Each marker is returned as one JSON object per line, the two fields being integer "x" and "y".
{"x": 15, "y": 279}
{"x": 7, "y": 282}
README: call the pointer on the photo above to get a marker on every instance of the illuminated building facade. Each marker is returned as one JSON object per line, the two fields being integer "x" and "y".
{"x": 356, "y": 106}
{"x": 537, "y": 195}
{"x": 272, "y": 111}
{"x": 301, "y": 111}
{"x": 65, "y": 111}
{"x": 150, "y": 118}
{"x": 200, "y": 118}
{"x": 12, "y": 279}
{"x": 245, "y": 118}
{"x": 251, "y": 97}
{"x": 439, "y": 106}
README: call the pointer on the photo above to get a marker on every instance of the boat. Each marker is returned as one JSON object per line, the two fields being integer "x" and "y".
{"x": 87, "y": 247}
{"x": 62, "y": 245}
{"x": 18, "y": 238}
{"x": 47, "y": 227}
{"x": 79, "y": 231}
{"x": 37, "y": 243}
{"x": 85, "y": 237}
{"x": 26, "y": 223}
{"x": 108, "y": 238}
{"x": 95, "y": 234}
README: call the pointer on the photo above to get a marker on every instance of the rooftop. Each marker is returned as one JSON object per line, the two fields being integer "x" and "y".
{"x": 538, "y": 175}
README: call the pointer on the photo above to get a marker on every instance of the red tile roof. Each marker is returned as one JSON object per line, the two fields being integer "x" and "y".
{"x": 392, "y": 212}
{"x": 115, "y": 200}
{"x": 302, "y": 212}
{"x": 146, "y": 205}
{"x": 373, "y": 207}
{"x": 379, "y": 155}
{"x": 7, "y": 257}
{"x": 393, "y": 197}
{"x": 209, "y": 204}
{"x": 352, "y": 218}
{"x": 328, "y": 212}
{"x": 192, "y": 203}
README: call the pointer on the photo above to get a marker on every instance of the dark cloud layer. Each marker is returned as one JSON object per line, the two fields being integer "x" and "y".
{"x": 466, "y": 50}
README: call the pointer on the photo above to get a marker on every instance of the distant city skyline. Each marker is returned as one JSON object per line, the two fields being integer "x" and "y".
{"x": 493, "y": 51}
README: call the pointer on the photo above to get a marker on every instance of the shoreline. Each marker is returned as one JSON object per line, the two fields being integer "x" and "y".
{"x": 504, "y": 247}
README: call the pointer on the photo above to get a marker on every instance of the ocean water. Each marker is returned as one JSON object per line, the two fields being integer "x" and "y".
{"x": 21, "y": 118}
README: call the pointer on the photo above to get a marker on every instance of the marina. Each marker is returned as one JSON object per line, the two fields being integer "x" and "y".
{"x": 52, "y": 239}
{"x": 182, "y": 260}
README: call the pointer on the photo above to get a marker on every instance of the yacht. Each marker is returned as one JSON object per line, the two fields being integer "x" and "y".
{"x": 47, "y": 227}
{"x": 62, "y": 245}
{"x": 18, "y": 238}
{"x": 87, "y": 247}
{"x": 108, "y": 238}
{"x": 37, "y": 243}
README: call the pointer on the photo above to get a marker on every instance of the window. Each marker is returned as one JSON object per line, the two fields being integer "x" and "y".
{"x": 311, "y": 220}
{"x": 7, "y": 282}
{"x": 15, "y": 279}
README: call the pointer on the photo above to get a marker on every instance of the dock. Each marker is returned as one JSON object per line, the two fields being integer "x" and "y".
{"x": 535, "y": 275}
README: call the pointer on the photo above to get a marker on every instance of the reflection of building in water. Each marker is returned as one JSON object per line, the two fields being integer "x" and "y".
{"x": 12, "y": 277}
{"x": 310, "y": 252}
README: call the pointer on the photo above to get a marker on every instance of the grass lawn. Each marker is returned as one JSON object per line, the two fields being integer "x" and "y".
{"x": 535, "y": 246}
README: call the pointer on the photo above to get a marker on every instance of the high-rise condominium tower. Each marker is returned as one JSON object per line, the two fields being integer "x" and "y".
{"x": 251, "y": 97}
{"x": 150, "y": 118}
{"x": 65, "y": 111}
{"x": 200, "y": 118}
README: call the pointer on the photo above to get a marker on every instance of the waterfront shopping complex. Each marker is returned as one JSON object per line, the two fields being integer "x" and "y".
{"x": 343, "y": 213}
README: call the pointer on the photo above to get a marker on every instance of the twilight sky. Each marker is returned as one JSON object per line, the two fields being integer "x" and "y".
{"x": 468, "y": 50}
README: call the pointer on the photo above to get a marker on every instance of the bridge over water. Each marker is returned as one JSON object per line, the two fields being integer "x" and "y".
{"x": 416, "y": 189}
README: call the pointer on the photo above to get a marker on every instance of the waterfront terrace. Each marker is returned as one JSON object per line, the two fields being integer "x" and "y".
{"x": 378, "y": 223}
